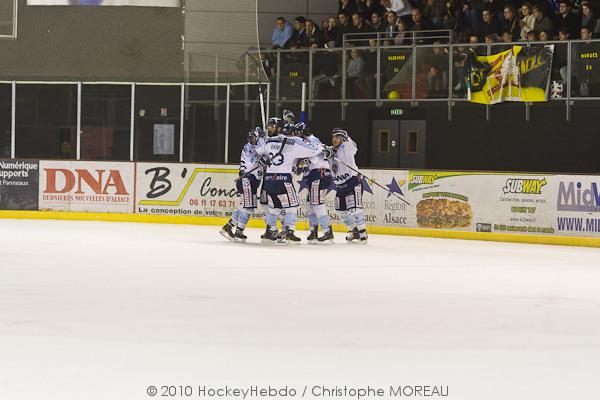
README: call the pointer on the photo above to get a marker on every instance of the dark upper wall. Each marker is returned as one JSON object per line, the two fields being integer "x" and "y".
{"x": 99, "y": 43}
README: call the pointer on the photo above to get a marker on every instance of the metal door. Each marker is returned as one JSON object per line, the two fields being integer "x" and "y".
{"x": 384, "y": 143}
{"x": 412, "y": 144}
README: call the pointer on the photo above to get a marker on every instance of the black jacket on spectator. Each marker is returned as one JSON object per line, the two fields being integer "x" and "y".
{"x": 489, "y": 28}
{"x": 331, "y": 35}
{"x": 513, "y": 27}
{"x": 298, "y": 37}
{"x": 571, "y": 23}
{"x": 312, "y": 37}
{"x": 381, "y": 27}
{"x": 343, "y": 29}
{"x": 545, "y": 24}
{"x": 589, "y": 22}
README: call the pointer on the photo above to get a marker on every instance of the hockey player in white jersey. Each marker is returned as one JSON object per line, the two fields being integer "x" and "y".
{"x": 349, "y": 192}
{"x": 318, "y": 179}
{"x": 278, "y": 154}
{"x": 288, "y": 117}
{"x": 247, "y": 187}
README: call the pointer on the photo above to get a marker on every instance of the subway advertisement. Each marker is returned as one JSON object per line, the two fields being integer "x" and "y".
{"x": 483, "y": 202}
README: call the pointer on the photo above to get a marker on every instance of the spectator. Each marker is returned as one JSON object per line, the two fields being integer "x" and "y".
{"x": 312, "y": 35}
{"x": 541, "y": 23}
{"x": 347, "y": 7}
{"x": 435, "y": 10}
{"x": 355, "y": 70}
{"x": 476, "y": 48}
{"x": 344, "y": 27}
{"x": 490, "y": 26}
{"x": 588, "y": 20}
{"x": 460, "y": 58}
{"x": 543, "y": 36}
{"x": 532, "y": 36}
{"x": 282, "y": 33}
{"x": 299, "y": 31}
{"x": 567, "y": 19}
{"x": 490, "y": 38}
{"x": 358, "y": 25}
{"x": 401, "y": 37}
{"x": 507, "y": 37}
{"x": 400, "y": 7}
{"x": 377, "y": 23}
{"x": 330, "y": 30}
{"x": 420, "y": 23}
{"x": 437, "y": 77}
{"x": 527, "y": 21}
{"x": 390, "y": 24}
{"x": 510, "y": 22}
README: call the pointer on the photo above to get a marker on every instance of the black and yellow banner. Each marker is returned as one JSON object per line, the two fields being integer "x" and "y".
{"x": 517, "y": 74}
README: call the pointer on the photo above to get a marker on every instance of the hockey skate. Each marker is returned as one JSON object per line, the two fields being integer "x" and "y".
{"x": 239, "y": 236}
{"x": 291, "y": 238}
{"x": 281, "y": 237}
{"x": 227, "y": 231}
{"x": 353, "y": 235}
{"x": 327, "y": 237}
{"x": 363, "y": 236}
{"x": 313, "y": 238}
{"x": 269, "y": 237}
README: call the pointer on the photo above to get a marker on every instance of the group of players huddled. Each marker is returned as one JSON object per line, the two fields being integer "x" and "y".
{"x": 269, "y": 160}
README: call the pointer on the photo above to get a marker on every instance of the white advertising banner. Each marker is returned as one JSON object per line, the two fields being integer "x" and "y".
{"x": 577, "y": 205}
{"x": 482, "y": 202}
{"x": 186, "y": 189}
{"x": 143, "y": 3}
{"x": 87, "y": 186}
{"x": 541, "y": 204}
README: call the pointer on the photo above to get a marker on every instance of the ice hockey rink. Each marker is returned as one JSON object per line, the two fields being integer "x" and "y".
{"x": 94, "y": 310}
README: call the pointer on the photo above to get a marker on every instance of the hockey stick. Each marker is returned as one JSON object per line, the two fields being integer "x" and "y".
{"x": 259, "y": 71}
{"x": 373, "y": 181}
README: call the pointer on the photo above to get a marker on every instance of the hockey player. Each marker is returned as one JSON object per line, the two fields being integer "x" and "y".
{"x": 349, "y": 192}
{"x": 247, "y": 187}
{"x": 288, "y": 117}
{"x": 278, "y": 154}
{"x": 318, "y": 178}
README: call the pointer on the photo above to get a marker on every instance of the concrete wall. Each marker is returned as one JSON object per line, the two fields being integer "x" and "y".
{"x": 105, "y": 43}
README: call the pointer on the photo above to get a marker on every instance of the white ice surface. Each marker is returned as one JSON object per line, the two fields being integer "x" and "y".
{"x": 92, "y": 310}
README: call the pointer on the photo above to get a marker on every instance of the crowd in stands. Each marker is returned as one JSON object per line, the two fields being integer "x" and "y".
{"x": 483, "y": 20}
{"x": 398, "y": 22}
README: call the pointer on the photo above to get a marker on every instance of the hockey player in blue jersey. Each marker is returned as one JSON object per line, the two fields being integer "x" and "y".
{"x": 349, "y": 192}
{"x": 318, "y": 179}
{"x": 279, "y": 154}
{"x": 247, "y": 186}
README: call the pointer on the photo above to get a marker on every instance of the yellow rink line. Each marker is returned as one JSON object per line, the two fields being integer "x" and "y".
{"x": 218, "y": 221}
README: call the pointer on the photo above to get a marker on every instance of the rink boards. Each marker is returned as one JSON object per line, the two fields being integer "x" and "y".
{"x": 538, "y": 208}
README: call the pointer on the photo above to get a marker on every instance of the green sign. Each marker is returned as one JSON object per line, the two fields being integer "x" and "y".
{"x": 396, "y": 111}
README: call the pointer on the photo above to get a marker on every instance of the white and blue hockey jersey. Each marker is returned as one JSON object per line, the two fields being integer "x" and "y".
{"x": 249, "y": 161}
{"x": 282, "y": 162}
{"x": 345, "y": 152}
{"x": 317, "y": 162}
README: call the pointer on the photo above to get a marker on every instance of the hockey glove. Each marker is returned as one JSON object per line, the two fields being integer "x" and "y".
{"x": 327, "y": 153}
{"x": 264, "y": 161}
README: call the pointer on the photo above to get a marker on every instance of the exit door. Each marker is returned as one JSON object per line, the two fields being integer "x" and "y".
{"x": 398, "y": 143}
{"x": 384, "y": 143}
{"x": 412, "y": 144}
